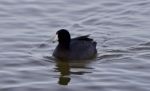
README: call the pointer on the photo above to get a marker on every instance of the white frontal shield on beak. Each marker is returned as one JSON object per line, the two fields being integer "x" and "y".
{"x": 55, "y": 38}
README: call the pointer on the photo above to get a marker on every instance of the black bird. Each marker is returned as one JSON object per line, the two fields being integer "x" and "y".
{"x": 79, "y": 48}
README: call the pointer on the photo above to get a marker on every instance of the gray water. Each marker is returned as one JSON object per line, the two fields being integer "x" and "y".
{"x": 120, "y": 27}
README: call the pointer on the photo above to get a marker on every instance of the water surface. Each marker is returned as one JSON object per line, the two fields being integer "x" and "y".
{"x": 120, "y": 27}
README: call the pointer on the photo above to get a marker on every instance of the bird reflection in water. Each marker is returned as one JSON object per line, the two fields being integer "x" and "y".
{"x": 64, "y": 67}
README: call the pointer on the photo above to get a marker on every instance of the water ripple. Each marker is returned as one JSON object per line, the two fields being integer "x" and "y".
{"x": 120, "y": 27}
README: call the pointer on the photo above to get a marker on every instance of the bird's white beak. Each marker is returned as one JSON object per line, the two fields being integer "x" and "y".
{"x": 55, "y": 38}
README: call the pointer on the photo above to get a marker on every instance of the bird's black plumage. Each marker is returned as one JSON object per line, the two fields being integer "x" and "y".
{"x": 78, "y": 48}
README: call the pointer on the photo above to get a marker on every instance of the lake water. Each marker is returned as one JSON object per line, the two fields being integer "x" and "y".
{"x": 120, "y": 27}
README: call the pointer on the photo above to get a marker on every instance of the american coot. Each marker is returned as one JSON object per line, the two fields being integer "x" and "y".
{"x": 79, "y": 48}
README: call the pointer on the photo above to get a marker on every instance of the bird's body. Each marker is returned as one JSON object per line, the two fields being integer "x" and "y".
{"x": 79, "y": 48}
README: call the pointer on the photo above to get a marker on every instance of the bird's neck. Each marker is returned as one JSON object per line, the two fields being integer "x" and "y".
{"x": 64, "y": 45}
